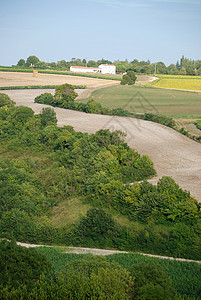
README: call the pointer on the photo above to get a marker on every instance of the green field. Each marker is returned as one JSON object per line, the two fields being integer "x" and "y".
{"x": 139, "y": 99}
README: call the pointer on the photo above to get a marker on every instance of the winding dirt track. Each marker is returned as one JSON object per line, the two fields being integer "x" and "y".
{"x": 172, "y": 153}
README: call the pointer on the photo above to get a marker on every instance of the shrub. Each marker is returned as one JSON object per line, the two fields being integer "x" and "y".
{"x": 129, "y": 78}
{"x": 95, "y": 228}
{"x": 6, "y": 101}
{"x": 45, "y": 98}
{"x": 48, "y": 116}
{"x": 150, "y": 276}
{"x": 94, "y": 278}
{"x": 19, "y": 265}
{"x": 64, "y": 94}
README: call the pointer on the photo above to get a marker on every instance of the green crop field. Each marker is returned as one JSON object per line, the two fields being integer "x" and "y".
{"x": 185, "y": 275}
{"x": 141, "y": 99}
{"x": 178, "y": 82}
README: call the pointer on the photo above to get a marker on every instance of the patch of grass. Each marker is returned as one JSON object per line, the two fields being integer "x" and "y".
{"x": 68, "y": 212}
{"x": 141, "y": 99}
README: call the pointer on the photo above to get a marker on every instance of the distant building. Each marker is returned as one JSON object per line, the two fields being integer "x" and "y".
{"x": 108, "y": 69}
{"x": 104, "y": 69}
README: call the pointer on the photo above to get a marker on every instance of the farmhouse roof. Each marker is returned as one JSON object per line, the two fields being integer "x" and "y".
{"x": 107, "y": 65}
{"x": 84, "y": 67}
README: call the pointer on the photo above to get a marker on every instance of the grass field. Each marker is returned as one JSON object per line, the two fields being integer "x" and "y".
{"x": 139, "y": 99}
{"x": 178, "y": 82}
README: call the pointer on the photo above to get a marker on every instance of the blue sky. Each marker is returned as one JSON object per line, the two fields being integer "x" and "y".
{"x": 158, "y": 30}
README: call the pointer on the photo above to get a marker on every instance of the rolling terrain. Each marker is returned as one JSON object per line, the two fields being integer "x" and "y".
{"x": 172, "y": 153}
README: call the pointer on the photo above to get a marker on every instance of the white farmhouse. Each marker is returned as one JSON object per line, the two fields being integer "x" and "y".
{"x": 104, "y": 69}
{"x": 108, "y": 69}
{"x": 84, "y": 69}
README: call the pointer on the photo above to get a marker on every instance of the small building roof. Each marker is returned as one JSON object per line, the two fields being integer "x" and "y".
{"x": 107, "y": 65}
{"x": 76, "y": 67}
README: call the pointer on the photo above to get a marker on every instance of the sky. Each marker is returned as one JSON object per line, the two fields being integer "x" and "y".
{"x": 52, "y": 30}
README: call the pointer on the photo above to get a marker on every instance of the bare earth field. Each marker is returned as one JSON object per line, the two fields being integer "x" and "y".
{"x": 173, "y": 154}
{"x": 22, "y": 79}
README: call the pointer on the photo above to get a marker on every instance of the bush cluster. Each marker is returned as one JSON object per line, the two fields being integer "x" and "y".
{"x": 27, "y": 274}
{"x": 98, "y": 169}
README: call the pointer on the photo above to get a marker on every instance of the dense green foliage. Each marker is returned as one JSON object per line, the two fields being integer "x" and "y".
{"x": 48, "y": 116}
{"x": 151, "y": 282}
{"x": 129, "y": 78}
{"x": 97, "y": 168}
{"x": 5, "y": 100}
{"x": 184, "y": 275}
{"x": 20, "y": 266}
{"x": 198, "y": 124}
{"x": 160, "y": 119}
{"x": 47, "y": 273}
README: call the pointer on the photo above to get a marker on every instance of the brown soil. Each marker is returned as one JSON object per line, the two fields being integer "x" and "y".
{"x": 172, "y": 153}
{"x": 22, "y": 79}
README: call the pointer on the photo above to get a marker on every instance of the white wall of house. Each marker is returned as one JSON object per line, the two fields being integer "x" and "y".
{"x": 108, "y": 69}
{"x": 104, "y": 69}
{"x": 84, "y": 69}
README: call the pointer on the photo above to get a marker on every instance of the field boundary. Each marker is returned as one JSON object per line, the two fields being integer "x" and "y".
{"x": 26, "y": 87}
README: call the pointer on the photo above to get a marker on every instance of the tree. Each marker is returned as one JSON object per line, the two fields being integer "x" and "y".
{"x": 21, "y": 63}
{"x": 20, "y": 115}
{"x": 151, "y": 275}
{"x": 41, "y": 65}
{"x": 19, "y": 265}
{"x": 129, "y": 78}
{"x": 172, "y": 69}
{"x": 161, "y": 68}
{"x": 64, "y": 94}
{"x": 48, "y": 116}
{"x": 6, "y": 101}
{"x": 45, "y": 98}
{"x": 92, "y": 63}
{"x": 94, "y": 277}
{"x": 32, "y": 61}
{"x": 93, "y": 107}
{"x": 62, "y": 64}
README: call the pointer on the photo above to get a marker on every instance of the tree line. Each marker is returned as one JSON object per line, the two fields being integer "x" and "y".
{"x": 183, "y": 66}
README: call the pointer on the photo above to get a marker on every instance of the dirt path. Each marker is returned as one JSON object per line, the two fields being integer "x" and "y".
{"x": 103, "y": 252}
{"x": 173, "y": 154}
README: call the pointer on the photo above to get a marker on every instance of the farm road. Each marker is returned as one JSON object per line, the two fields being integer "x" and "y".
{"x": 103, "y": 252}
{"x": 172, "y": 153}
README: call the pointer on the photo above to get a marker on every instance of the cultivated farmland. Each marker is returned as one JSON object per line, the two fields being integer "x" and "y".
{"x": 178, "y": 82}
{"x": 22, "y": 79}
{"x": 140, "y": 99}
